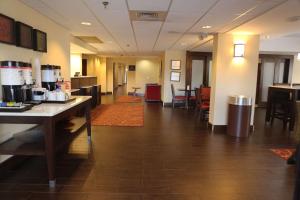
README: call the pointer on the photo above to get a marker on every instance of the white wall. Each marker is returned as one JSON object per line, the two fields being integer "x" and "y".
{"x": 296, "y": 70}
{"x": 173, "y": 55}
{"x": 232, "y": 76}
{"x": 285, "y": 44}
{"x": 76, "y": 63}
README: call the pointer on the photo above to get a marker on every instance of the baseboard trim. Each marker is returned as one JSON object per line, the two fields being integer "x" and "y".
{"x": 223, "y": 128}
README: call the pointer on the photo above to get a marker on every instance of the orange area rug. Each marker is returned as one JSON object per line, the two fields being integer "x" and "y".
{"x": 128, "y": 99}
{"x": 118, "y": 115}
{"x": 283, "y": 153}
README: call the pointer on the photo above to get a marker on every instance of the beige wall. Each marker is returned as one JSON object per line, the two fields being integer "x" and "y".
{"x": 76, "y": 63}
{"x": 296, "y": 70}
{"x": 96, "y": 66}
{"x": 147, "y": 71}
{"x": 173, "y": 55}
{"x": 58, "y": 38}
{"x": 232, "y": 76}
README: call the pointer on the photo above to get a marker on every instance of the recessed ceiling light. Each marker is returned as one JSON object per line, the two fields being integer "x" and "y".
{"x": 267, "y": 37}
{"x": 183, "y": 44}
{"x": 86, "y": 23}
{"x": 206, "y": 27}
{"x": 109, "y": 41}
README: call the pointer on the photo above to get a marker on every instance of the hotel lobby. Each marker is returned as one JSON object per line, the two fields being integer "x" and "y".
{"x": 149, "y": 99}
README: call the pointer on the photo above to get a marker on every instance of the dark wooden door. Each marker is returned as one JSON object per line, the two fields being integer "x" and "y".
{"x": 84, "y": 67}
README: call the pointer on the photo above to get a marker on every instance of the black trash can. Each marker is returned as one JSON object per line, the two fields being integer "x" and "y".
{"x": 239, "y": 116}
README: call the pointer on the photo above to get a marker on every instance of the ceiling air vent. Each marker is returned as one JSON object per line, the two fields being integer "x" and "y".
{"x": 90, "y": 39}
{"x": 137, "y": 15}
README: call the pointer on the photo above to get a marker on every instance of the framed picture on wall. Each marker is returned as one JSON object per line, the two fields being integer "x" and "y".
{"x": 175, "y": 64}
{"x": 175, "y": 76}
{"x": 24, "y": 35}
{"x": 39, "y": 40}
{"x": 7, "y": 30}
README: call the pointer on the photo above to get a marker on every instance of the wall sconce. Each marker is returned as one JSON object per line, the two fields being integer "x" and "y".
{"x": 239, "y": 50}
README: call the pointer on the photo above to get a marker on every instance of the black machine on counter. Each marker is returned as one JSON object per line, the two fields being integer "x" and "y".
{"x": 13, "y": 82}
{"x": 51, "y": 74}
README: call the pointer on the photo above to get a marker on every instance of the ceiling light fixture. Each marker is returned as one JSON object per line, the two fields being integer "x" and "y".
{"x": 86, "y": 23}
{"x": 206, "y": 27}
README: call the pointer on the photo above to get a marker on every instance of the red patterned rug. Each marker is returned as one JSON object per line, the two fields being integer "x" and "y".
{"x": 128, "y": 99}
{"x": 118, "y": 115}
{"x": 283, "y": 153}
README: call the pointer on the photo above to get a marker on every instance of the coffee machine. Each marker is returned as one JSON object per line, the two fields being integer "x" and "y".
{"x": 49, "y": 78}
{"x": 57, "y": 70}
{"x": 12, "y": 81}
{"x": 27, "y": 88}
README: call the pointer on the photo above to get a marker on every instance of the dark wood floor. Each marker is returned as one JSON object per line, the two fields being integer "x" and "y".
{"x": 173, "y": 156}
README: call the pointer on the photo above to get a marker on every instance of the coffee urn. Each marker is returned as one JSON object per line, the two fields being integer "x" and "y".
{"x": 27, "y": 88}
{"x": 49, "y": 78}
{"x": 58, "y": 73}
{"x": 12, "y": 81}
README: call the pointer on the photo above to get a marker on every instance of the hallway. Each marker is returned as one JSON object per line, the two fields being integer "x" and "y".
{"x": 173, "y": 156}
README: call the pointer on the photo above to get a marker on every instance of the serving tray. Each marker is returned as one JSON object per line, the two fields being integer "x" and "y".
{"x": 60, "y": 102}
{"x": 22, "y": 108}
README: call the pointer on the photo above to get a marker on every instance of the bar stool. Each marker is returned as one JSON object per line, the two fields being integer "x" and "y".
{"x": 282, "y": 108}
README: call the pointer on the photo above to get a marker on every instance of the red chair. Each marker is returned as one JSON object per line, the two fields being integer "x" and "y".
{"x": 177, "y": 99}
{"x": 203, "y": 101}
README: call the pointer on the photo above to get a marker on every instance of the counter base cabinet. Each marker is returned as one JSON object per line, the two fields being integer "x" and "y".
{"x": 83, "y": 81}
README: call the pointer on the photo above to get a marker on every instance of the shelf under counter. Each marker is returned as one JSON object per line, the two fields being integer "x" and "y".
{"x": 31, "y": 142}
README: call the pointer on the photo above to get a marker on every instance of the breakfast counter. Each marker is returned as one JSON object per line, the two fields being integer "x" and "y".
{"x": 52, "y": 135}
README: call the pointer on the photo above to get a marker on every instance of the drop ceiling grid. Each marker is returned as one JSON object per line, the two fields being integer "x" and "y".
{"x": 90, "y": 5}
{"x": 201, "y": 15}
{"x": 146, "y": 33}
{"x": 228, "y": 10}
{"x": 181, "y": 17}
{"x": 246, "y": 12}
{"x": 117, "y": 21}
{"x": 265, "y": 24}
{"x": 47, "y": 11}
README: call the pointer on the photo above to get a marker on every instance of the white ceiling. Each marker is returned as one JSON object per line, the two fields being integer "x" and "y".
{"x": 181, "y": 29}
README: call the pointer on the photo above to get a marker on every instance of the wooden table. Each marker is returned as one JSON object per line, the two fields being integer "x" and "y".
{"x": 188, "y": 93}
{"x": 134, "y": 90}
{"x": 47, "y": 115}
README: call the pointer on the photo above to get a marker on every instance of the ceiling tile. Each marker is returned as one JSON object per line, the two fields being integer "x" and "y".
{"x": 146, "y": 34}
{"x": 149, "y": 5}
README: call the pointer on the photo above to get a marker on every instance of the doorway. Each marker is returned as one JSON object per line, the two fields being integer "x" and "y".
{"x": 84, "y": 67}
{"x": 272, "y": 70}
{"x": 198, "y": 68}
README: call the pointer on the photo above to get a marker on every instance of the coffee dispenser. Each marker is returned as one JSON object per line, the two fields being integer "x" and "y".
{"x": 12, "y": 81}
{"x": 49, "y": 78}
{"x": 58, "y": 73}
{"x": 27, "y": 88}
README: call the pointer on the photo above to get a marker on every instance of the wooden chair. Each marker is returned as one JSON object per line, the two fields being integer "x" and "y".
{"x": 177, "y": 99}
{"x": 203, "y": 101}
{"x": 282, "y": 108}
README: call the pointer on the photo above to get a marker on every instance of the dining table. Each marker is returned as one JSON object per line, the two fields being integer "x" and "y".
{"x": 188, "y": 94}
